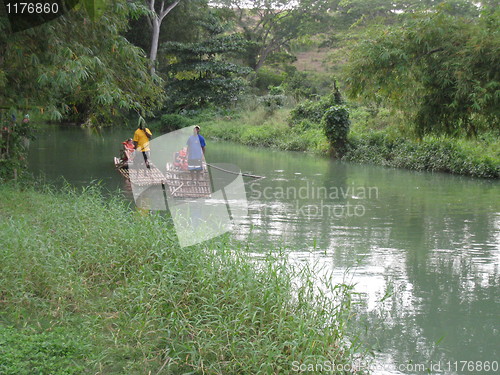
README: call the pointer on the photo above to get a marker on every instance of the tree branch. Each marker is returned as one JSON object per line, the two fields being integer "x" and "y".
{"x": 169, "y": 8}
{"x": 430, "y": 52}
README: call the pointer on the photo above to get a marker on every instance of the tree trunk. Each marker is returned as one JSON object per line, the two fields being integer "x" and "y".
{"x": 263, "y": 56}
{"x": 156, "y": 19}
{"x": 154, "y": 44}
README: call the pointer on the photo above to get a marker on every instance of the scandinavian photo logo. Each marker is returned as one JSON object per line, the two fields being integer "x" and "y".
{"x": 198, "y": 214}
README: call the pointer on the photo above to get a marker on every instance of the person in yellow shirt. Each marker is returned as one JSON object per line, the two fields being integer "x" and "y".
{"x": 141, "y": 141}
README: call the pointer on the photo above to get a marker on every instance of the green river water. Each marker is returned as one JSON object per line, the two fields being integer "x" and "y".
{"x": 423, "y": 249}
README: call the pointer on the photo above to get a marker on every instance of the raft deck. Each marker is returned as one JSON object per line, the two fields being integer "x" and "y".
{"x": 141, "y": 176}
{"x": 178, "y": 183}
{"x": 187, "y": 184}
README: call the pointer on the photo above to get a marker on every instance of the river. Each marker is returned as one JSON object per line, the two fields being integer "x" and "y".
{"x": 423, "y": 249}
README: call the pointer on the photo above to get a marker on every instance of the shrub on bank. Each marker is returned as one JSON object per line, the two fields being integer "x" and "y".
{"x": 312, "y": 110}
{"x": 119, "y": 281}
{"x": 271, "y": 133}
{"x": 437, "y": 154}
{"x": 479, "y": 158}
{"x": 171, "y": 122}
{"x": 335, "y": 124}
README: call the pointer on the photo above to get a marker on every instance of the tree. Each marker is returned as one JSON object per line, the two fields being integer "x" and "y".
{"x": 177, "y": 27}
{"x": 157, "y": 12}
{"x": 439, "y": 69}
{"x": 357, "y": 10}
{"x": 269, "y": 25}
{"x": 336, "y": 124}
{"x": 75, "y": 67}
{"x": 14, "y": 140}
{"x": 198, "y": 72}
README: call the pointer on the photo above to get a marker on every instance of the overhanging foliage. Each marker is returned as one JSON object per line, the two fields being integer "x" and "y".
{"x": 440, "y": 69}
{"x": 75, "y": 67}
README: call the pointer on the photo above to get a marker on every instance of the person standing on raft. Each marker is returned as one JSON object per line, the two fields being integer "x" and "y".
{"x": 196, "y": 150}
{"x": 141, "y": 141}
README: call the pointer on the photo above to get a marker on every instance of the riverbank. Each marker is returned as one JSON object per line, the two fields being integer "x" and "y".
{"x": 469, "y": 157}
{"x": 90, "y": 286}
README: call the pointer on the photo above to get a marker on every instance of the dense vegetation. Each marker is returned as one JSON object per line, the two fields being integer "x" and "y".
{"x": 420, "y": 69}
{"x": 88, "y": 286}
{"x": 76, "y": 69}
{"x": 471, "y": 157}
{"x": 439, "y": 69}
{"x": 196, "y": 72}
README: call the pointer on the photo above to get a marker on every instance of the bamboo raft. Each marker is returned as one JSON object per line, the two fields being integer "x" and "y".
{"x": 187, "y": 184}
{"x": 177, "y": 183}
{"x": 141, "y": 176}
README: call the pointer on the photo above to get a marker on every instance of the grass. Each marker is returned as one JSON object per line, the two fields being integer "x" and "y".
{"x": 89, "y": 286}
{"x": 371, "y": 141}
{"x": 478, "y": 158}
{"x": 265, "y": 128}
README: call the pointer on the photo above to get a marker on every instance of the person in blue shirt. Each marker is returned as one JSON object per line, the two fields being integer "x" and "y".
{"x": 196, "y": 150}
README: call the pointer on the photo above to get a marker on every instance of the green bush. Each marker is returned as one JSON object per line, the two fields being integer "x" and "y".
{"x": 266, "y": 78}
{"x": 56, "y": 351}
{"x": 335, "y": 124}
{"x": 302, "y": 85}
{"x": 309, "y": 110}
{"x": 171, "y": 122}
{"x": 313, "y": 110}
{"x": 272, "y": 102}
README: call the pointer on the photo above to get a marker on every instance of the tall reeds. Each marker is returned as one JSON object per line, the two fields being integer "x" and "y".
{"x": 135, "y": 302}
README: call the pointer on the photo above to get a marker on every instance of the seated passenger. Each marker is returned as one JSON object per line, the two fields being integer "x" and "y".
{"x": 180, "y": 160}
{"x": 128, "y": 150}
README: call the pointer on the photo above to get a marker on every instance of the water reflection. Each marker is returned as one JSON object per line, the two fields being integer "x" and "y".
{"x": 78, "y": 155}
{"x": 447, "y": 310}
{"x": 424, "y": 255}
